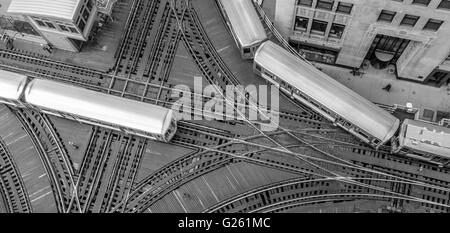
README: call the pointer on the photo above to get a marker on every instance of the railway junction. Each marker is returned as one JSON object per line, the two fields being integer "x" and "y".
{"x": 143, "y": 53}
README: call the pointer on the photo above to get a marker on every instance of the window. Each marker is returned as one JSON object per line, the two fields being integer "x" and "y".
{"x": 89, "y": 5}
{"x": 325, "y": 4}
{"x": 81, "y": 25}
{"x": 386, "y": 16}
{"x": 301, "y": 23}
{"x": 72, "y": 29}
{"x": 42, "y": 24}
{"x": 445, "y": 4}
{"x": 409, "y": 20}
{"x": 85, "y": 14}
{"x": 63, "y": 28}
{"x": 305, "y": 2}
{"x": 433, "y": 25}
{"x": 421, "y": 2}
{"x": 268, "y": 74}
{"x": 50, "y": 25}
{"x": 318, "y": 27}
{"x": 345, "y": 8}
{"x": 337, "y": 30}
{"x": 246, "y": 50}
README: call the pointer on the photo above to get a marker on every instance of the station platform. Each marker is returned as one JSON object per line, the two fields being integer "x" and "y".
{"x": 97, "y": 53}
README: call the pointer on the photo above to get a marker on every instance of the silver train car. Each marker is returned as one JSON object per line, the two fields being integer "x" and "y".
{"x": 244, "y": 24}
{"x": 101, "y": 109}
{"x": 12, "y": 86}
{"x": 422, "y": 140}
{"x": 325, "y": 95}
{"x": 88, "y": 106}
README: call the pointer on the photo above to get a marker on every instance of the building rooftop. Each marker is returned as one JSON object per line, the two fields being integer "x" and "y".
{"x": 4, "y": 4}
{"x": 63, "y": 9}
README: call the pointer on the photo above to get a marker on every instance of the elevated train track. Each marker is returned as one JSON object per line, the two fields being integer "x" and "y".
{"x": 290, "y": 134}
{"x": 108, "y": 170}
{"x": 53, "y": 155}
{"x": 296, "y": 192}
{"x": 12, "y": 189}
{"x": 189, "y": 167}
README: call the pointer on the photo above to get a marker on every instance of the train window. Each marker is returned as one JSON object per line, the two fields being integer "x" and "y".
{"x": 364, "y": 135}
{"x": 247, "y": 50}
{"x": 268, "y": 74}
{"x": 303, "y": 96}
{"x": 258, "y": 67}
{"x": 315, "y": 104}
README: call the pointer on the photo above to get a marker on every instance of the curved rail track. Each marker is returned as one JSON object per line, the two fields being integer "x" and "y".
{"x": 12, "y": 188}
{"x": 53, "y": 155}
{"x": 105, "y": 181}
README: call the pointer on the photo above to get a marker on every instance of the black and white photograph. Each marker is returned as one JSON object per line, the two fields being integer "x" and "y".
{"x": 228, "y": 114}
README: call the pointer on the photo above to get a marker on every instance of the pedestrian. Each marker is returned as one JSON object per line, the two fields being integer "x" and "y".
{"x": 387, "y": 87}
{"x": 75, "y": 146}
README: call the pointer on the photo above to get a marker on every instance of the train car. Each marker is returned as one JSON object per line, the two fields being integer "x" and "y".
{"x": 12, "y": 86}
{"x": 101, "y": 109}
{"x": 423, "y": 141}
{"x": 243, "y": 22}
{"x": 328, "y": 97}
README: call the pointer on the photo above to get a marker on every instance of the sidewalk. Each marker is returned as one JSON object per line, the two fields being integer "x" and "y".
{"x": 370, "y": 85}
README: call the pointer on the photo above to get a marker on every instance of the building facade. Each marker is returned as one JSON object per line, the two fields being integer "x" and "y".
{"x": 408, "y": 37}
{"x": 65, "y": 24}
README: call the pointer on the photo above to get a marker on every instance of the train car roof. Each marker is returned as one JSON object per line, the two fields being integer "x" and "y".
{"x": 327, "y": 91}
{"x": 426, "y": 137}
{"x": 11, "y": 84}
{"x": 244, "y": 21}
{"x": 64, "y": 9}
{"x": 99, "y": 106}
